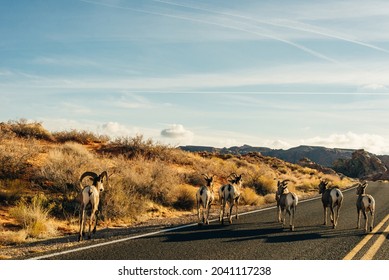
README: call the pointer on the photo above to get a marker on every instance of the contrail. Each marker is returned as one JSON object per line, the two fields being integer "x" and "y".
{"x": 305, "y": 27}
{"x": 298, "y": 46}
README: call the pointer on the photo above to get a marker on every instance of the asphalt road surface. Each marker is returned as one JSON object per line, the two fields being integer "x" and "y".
{"x": 257, "y": 235}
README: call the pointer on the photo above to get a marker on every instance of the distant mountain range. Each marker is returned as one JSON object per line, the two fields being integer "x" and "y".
{"x": 354, "y": 163}
{"x": 321, "y": 155}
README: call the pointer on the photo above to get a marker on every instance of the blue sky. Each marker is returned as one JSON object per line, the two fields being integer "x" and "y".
{"x": 220, "y": 73}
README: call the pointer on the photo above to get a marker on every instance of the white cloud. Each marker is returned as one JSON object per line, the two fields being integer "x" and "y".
{"x": 176, "y": 131}
{"x": 370, "y": 142}
{"x": 115, "y": 129}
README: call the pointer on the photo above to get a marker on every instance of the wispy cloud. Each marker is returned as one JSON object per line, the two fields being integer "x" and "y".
{"x": 307, "y": 74}
{"x": 221, "y": 22}
{"x": 288, "y": 24}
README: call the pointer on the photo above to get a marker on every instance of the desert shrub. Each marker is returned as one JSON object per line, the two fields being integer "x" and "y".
{"x": 262, "y": 184}
{"x": 81, "y": 137}
{"x": 64, "y": 165}
{"x": 34, "y": 217}
{"x": 14, "y": 158}
{"x": 194, "y": 179}
{"x": 138, "y": 185}
{"x": 11, "y": 190}
{"x": 122, "y": 202}
{"x": 185, "y": 198}
{"x": 137, "y": 147}
{"x": 22, "y": 128}
{"x": 308, "y": 185}
{"x": 157, "y": 181}
{"x": 270, "y": 198}
{"x": 250, "y": 197}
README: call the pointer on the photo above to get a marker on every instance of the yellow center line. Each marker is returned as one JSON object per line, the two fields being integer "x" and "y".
{"x": 377, "y": 244}
{"x": 363, "y": 242}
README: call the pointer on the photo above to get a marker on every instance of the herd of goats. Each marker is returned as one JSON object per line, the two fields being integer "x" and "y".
{"x": 230, "y": 194}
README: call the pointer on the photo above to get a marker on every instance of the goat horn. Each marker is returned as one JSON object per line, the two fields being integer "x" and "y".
{"x": 88, "y": 173}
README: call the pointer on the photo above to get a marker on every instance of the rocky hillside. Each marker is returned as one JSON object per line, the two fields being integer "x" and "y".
{"x": 363, "y": 165}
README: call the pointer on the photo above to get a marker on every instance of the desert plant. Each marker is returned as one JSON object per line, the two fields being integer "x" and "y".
{"x": 24, "y": 129}
{"x": 64, "y": 164}
{"x": 15, "y": 156}
{"x": 250, "y": 197}
{"x": 81, "y": 137}
{"x": 11, "y": 190}
{"x": 34, "y": 216}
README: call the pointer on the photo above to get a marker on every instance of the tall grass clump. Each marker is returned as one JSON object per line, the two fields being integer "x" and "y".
{"x": 34, "y": 217}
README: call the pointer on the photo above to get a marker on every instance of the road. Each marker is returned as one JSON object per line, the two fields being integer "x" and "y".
{"x": 256, "y": 235}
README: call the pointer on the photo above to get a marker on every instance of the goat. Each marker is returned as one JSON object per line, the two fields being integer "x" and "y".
{"x": 286, "y": 203}
{"x": 230, "y": 194}
{"x": 331, "y": 198}
{"x": 90, "y": 195}
{"x": 277, "y": 197}
{"x": 204, "y": 198}
{"x": 365, "y": 203}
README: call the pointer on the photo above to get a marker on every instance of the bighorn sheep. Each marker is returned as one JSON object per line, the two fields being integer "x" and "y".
{"x": 204, "y": 198}
{"x": 230, "y": 194}
{"x": 90, "y": 195}
{"x": 286, "y": 203}
{"x": 331, "y": 198}
{"x": 365, "y": 203}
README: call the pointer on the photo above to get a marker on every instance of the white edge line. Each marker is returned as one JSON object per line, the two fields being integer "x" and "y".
{"x": 157, "y": 232}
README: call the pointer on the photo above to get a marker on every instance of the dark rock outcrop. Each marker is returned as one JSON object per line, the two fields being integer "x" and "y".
{"x": 363, "y": 165}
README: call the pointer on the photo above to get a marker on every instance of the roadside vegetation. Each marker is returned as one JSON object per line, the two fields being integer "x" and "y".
{"x": 39, "y": 172}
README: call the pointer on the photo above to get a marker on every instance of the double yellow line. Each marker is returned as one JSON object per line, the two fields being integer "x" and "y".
{"x": 369, "y": 255}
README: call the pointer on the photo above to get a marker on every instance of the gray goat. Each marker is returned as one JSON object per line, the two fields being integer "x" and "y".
{"x": 286, "y": 203}
{"x": 365, "y": 203}
{"x": 331, "y": 198}
{"x": 90, "y": 195}
{"x": 230, "y": 194}
{"x": 204, "y": 199}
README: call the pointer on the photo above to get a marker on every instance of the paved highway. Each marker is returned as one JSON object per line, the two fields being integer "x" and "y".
{"x": 256, "y": 235}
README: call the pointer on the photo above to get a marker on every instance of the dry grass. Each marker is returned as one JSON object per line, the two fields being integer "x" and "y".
{"x": 34, "y": 217}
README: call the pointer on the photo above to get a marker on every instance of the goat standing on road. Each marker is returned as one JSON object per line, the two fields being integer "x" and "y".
{"x": 230, "y": 194}
{"x": 90, "y": 195}
{"x": 286, "y": 203}
{"x": 365, "y": 203}
{"x": 331, "y": 198}
{"x": 204, "y": 198}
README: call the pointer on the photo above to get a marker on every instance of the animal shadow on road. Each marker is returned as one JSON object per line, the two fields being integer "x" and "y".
{"x": 267, "y": 232}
